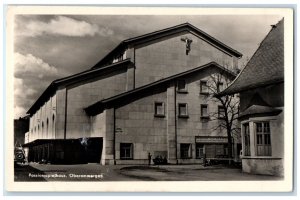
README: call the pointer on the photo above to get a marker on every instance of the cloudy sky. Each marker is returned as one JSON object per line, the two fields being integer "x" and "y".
{"x": 48, "y": 47}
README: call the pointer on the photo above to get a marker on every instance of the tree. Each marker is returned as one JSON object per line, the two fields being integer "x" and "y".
{"x": 228, "y": 106}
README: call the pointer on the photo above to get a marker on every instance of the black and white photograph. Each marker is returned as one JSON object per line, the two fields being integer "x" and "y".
{"x": 163, "y": 96}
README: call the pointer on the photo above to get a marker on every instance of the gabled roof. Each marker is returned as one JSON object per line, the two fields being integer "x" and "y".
{"x": 266, "y": 65}
{"x": 162, "y": 33}
{"x": 98, "y": 107}
{"x": 73, "y": 78}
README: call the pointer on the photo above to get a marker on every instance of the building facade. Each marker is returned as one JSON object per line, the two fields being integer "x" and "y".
{"x": 261, "y": 88}
{"x": 148, "y": 95}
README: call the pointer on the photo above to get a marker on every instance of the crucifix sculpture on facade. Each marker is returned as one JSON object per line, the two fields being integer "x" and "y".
{"x": 188, "y": 44}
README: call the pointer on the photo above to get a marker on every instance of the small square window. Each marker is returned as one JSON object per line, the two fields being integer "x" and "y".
{"x": 203, "y": 87}
{"x": 126, "y": 151}
{"x": 221, "y": 112}
{"x": 220, "y": 87}
{"x": 204, "y": 111}
{"x": 159, "y": 109}
{"x": 181, "y": 86}
{"x": 183, "y": 110}
{"x": 185, "y": 151}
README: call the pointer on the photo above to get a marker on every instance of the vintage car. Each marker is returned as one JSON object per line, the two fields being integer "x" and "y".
{"x": 19, "y": 156}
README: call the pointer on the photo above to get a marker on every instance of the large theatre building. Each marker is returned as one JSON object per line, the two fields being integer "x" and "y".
{"x": 148, "y": 95}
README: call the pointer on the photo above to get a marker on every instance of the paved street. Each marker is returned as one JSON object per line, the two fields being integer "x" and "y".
{"x": 96, "y": 172}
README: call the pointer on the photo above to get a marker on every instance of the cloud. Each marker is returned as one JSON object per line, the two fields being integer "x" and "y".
{"x": 61, "y": 26}
{"x": 31, "y": 66}
{"x": 32, "y": 76}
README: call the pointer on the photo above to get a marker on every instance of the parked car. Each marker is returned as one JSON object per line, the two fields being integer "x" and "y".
{"x": 19, "y": 156}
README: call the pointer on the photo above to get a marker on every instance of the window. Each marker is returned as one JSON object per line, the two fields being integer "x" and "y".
{"x": 204, "y": 111}
{"x": 183, "y": 110}
{"x": 47, "y": 128}
{"x": 263, "y": 139}
{"x": 53, "y": 125}
{"x": 221, "y": 112}
{"x": 246, "y": 140}
{"x": 181, "y": 86}
{"x": 126, "y": 150}
{"x": 185, "y": 150}
{"x": 42, "y": 128}
{"x": 159, "y": 109}
{"x": 199, "y": 150}
{"x": 220, "y": 87}
{"x": 203, "y": 87}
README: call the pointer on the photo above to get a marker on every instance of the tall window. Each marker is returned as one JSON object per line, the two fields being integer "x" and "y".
{"x": 47, "y": 128}
{"x": 159, "y": 109}
{"x": 199, "y": 150}
{"x": 246, "y": 140}
{"x": 204, "y": 111}
{"x": 182, "y": 110}
{"x": 203, "y": 87}
{"x": 263, "y": 139}
{"x": 53, "y": 126}
{"x": 38, "y": 132}
{"x": 42, "y": 135}
{"x": 221, "y": 112}
{"x": 181, "y": 86}
{"x": 126, "y": 150}
{"x": 185, "y": 150}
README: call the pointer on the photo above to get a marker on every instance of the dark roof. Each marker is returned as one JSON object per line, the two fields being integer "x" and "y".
{"x": 266, "y": 65}
{"x": 98, "y": 107}
{"x": 162, "y": 33}
{"x": 258, "y": 109}
{"x": 73, "y": 78}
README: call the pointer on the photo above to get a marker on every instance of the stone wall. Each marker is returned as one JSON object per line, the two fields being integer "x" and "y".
{"x": 136, "y": 122}
{"x": 83, "y": 94}
{"x": 167, "y": 56}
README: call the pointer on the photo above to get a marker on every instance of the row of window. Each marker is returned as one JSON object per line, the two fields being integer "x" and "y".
{"x": 37, "y": 128}
{"x": 126, "y": 150}
{"x": 262, "y": 139}
{"x": 204, "y": 88}
{"x": 159, "y": 108}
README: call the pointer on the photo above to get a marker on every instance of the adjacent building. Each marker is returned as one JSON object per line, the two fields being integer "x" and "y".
{"x": 261, "y": 88}
{"x": 21, "y": 127}
{"x": 148, "y": 95}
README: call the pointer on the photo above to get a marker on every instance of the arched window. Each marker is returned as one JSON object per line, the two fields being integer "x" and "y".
{"x": 53, "y": 126}
{"x": 38, "y": 131}
{"x": 47, "y": 128}
{"x": 42, "y": 132}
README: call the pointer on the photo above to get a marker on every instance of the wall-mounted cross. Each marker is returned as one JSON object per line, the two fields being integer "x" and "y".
{"x": 187, "y": 44}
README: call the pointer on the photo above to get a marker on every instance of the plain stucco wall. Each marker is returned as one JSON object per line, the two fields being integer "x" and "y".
{"x": 267, "y": 166}
{"x": 271, "y": 165}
